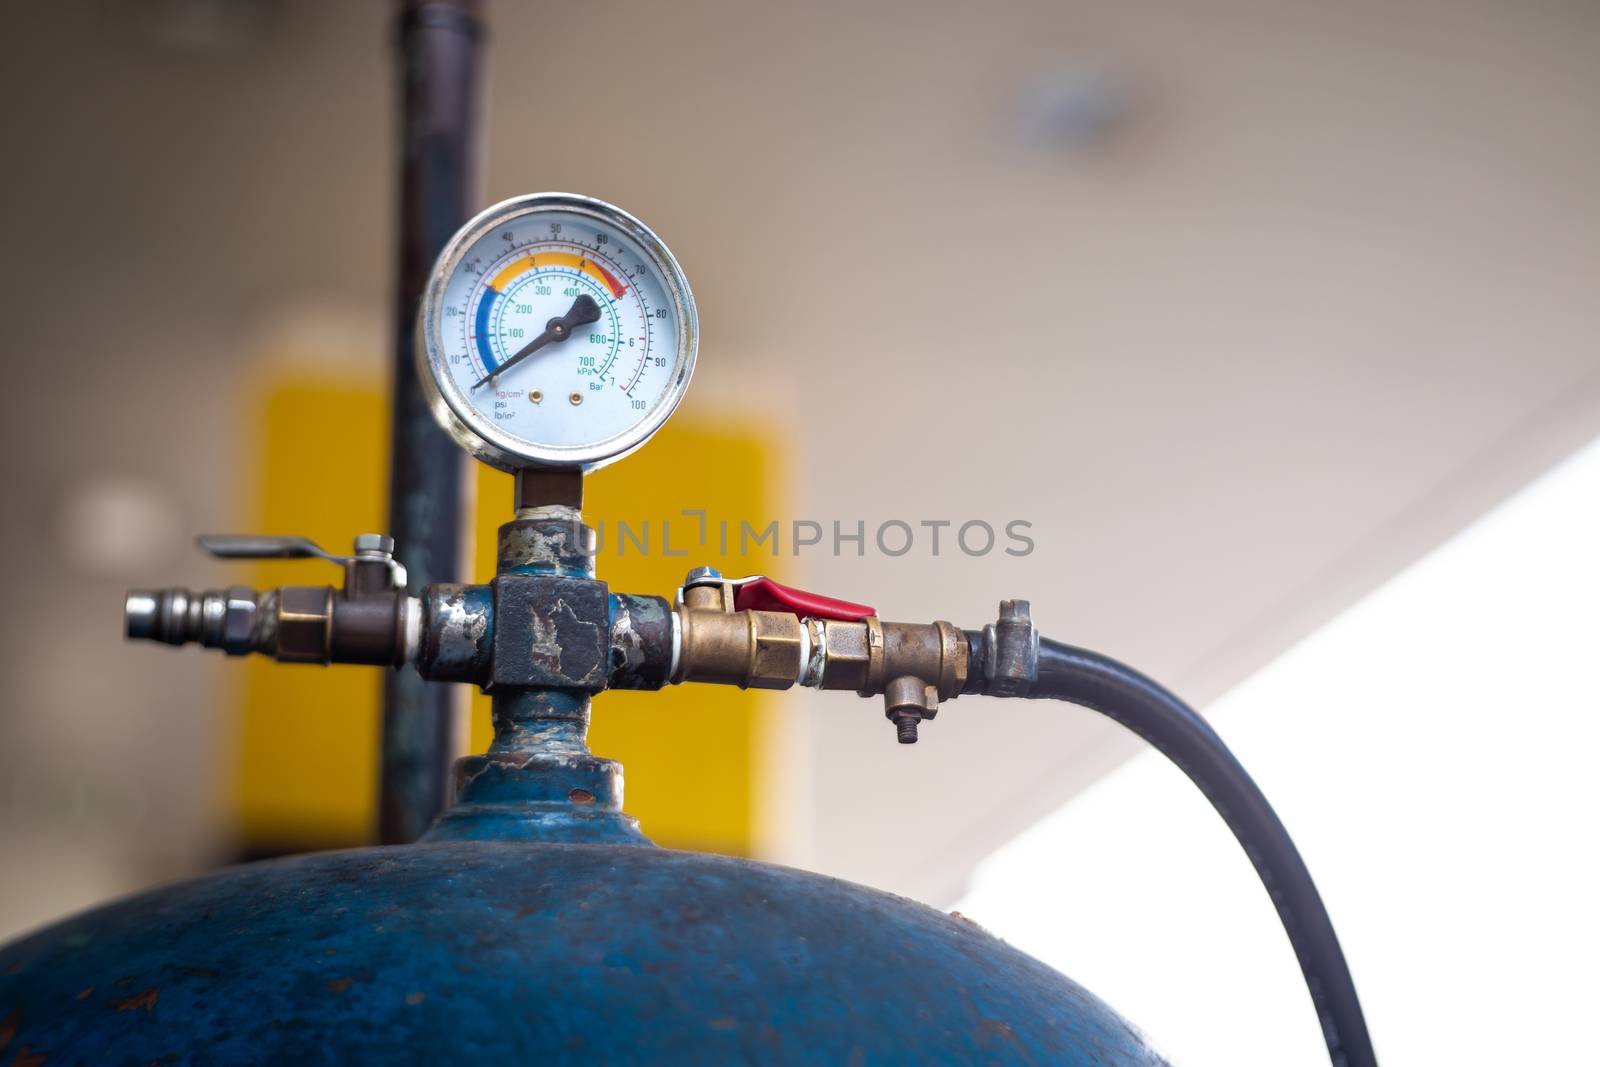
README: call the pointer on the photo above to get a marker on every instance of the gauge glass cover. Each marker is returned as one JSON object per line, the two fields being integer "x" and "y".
{"x": 556, "y": 330}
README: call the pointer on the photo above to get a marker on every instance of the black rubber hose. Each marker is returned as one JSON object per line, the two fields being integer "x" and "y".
{"x": 1178, "y": 732}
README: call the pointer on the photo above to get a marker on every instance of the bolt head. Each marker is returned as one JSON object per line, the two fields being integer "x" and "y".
{"x": 374, "y": 544}
{"x": 703, "y": 575}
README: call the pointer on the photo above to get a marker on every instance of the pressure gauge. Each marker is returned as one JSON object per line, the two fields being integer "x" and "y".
{"x": 556, "y": 331}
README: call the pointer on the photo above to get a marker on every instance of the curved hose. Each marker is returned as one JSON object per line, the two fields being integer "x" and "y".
{"x": 1178, "y": 732}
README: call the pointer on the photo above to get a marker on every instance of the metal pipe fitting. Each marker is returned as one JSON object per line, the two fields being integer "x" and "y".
{"x": 457, "y": 633}
{"x": 776, "y": 649}
{"x": 906, "y": 702}
{"x": 228, "y": 619}
{"x": 749, "y": 649}
{"x": 293, "y": 623}
{"x": 554, "y": 540}
{"x": 1011, "y": 650}
{"x": 644, "y": 642}
{"x": 866, "y": 656}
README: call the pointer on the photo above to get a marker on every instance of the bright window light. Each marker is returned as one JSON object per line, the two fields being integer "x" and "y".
{"x": 1433, "y": 751}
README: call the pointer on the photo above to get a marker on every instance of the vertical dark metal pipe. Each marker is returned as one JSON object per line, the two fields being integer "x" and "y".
{"x": 440, "y": 45}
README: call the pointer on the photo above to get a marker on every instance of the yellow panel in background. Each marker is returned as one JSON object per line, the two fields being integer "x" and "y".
{"x": 692, "y": 754}
{"x": 307, "y": 736}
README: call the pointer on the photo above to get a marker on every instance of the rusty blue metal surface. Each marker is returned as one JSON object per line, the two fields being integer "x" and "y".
{"x": 539, "y": 781}
{"x": 530, "y": 952}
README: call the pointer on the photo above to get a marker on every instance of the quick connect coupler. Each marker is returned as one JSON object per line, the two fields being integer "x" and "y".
{"x": 369, "y": 619}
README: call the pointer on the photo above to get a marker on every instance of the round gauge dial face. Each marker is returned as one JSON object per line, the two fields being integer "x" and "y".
{"x": 558, "y": 330}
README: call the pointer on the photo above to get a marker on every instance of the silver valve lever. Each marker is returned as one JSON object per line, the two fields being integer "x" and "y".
{"x": 263, "y": 546}
{"x": 369, "y": 548}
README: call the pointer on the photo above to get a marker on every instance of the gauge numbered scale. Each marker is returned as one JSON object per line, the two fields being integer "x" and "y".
{"x": 556, "y": 331}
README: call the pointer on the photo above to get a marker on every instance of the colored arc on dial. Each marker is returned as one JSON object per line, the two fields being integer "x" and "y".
{"x": 518, "y": 267}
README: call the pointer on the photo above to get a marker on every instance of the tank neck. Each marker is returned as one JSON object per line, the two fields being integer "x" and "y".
{"x": 539, "y": 781}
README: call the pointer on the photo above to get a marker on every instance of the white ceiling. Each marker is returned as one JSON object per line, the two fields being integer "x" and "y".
{"x": 1323, "y": 291}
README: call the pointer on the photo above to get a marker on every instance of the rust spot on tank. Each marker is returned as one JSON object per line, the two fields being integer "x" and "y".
{"x": 26, "y": 1057}
{"x": 8, "y": 1028}
{"x": 145, "y": 998}
{"x": 580, "y": 796}
{"x": 1001, "y": 1029}
{"x": 723, "y": 1024}
{"x": 86, "y": 993}
{"x": 414, "y": 999}
{"x": 124, "y": 982}
{"x": 14, "y": 966}
{"x": 339, "y": 985}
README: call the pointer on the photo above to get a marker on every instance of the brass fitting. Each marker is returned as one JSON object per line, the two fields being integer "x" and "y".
{"x": 906, "y": 702}
{"x": 322, "y": 624}
{"x": 749, "y": 649}
{"x": 914, "y": 665}
{"x": 305, "y": 624}
{"x": 866, "y": 656}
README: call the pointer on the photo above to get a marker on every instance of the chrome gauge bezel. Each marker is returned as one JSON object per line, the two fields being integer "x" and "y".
{"x": 454, "y": 410}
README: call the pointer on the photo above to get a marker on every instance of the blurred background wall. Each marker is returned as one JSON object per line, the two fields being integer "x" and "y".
{"x": 1242, "y": 306}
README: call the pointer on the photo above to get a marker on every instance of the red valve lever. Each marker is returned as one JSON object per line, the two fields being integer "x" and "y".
{"x": 764, "y": 594}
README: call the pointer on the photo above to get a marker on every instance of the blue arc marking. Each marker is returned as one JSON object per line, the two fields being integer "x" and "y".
{"x": 486, "y": 305}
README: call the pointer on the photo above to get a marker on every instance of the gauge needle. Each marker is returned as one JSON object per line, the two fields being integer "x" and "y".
{"x": 584, "y": 310}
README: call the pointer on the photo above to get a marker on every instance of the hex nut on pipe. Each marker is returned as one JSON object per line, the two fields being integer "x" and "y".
{"x": 779, "y": 639}
{"x": 305, "y": 623}
{"x": 749, "y": 649}
{"x": 848, "y": 663}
